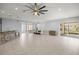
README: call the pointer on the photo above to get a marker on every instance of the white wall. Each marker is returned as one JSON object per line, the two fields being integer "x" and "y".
{"x": 55, "y": 25}
{"x": 9, "y": 25}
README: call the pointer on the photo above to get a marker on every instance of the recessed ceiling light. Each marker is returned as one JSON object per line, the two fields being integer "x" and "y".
{"x": 59, "y": 9}
{"x": 16, "y": 8}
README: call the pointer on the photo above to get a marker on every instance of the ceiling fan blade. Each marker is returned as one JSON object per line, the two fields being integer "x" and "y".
{"x": 25, "y": 10}
{"x": 29, "y": 7}
{"x": 31, "y": 4}
{"x": 38, "y": 14}
{"x": 42, "y": 7}
{"x": 43, "y": 10}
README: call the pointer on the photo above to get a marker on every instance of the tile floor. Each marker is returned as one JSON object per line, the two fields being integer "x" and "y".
{"x": 31, "y": 44}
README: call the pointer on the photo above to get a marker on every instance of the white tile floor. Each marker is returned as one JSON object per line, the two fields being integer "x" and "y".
{"x": 41, "y": 44}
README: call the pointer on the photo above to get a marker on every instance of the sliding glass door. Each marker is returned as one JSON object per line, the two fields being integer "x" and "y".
{"x": 69, "y": 28}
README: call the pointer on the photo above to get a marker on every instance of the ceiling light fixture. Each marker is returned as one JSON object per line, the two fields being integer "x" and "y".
{"x": 36, "y": 9}
{"x": 16, "y": 8}
{"x": 59, "y": 9}
{"x": 36, "y": 14}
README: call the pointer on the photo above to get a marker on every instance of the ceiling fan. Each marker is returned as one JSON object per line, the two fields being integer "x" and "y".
{"x": 36, "y": 9}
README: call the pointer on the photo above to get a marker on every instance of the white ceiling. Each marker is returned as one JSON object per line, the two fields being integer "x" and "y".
{"x": 55, "y": 11}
